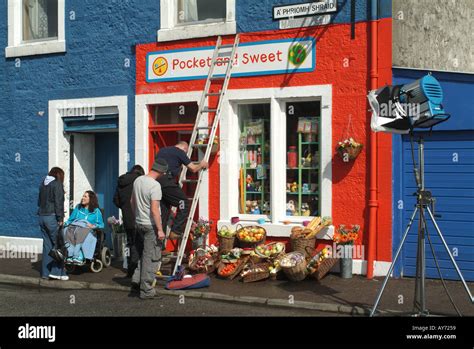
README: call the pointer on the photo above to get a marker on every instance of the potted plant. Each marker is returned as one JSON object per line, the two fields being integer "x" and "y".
{"x": 346, "y": 237}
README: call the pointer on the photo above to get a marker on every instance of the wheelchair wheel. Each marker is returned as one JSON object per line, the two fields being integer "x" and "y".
{"x": 97, "y": 266}
{"x": 70, "y": 268}
{"x": 106, "y": 257}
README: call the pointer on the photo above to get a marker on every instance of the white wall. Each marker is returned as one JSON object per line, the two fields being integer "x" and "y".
{"x": 84, "y": 165}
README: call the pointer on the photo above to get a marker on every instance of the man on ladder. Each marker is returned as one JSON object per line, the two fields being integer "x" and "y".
{"x": 173, "y": 195}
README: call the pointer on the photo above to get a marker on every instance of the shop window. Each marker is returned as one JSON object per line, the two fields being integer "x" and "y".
{"x": 254, "y": 184}
{"x": 192, "y": 11}
{"x": 186, "y": 19}
{"x": 176, "y": 113}
{"x": 35, "y": 27}
{"x": 302, "y": 158}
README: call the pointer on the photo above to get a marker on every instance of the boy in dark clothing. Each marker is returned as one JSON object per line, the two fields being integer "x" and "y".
{"x": 122, "y": 197}
{"x": 173, "y": 196}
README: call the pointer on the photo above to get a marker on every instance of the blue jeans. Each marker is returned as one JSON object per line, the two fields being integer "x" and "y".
{"x": 49, "y": 229}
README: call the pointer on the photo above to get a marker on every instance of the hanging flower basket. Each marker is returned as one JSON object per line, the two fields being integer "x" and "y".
{"x": 349, "y": 149}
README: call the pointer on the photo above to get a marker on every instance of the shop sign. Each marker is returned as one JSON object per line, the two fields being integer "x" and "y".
{"x": 252, "y": 58}
{"x": 306, "y": 9}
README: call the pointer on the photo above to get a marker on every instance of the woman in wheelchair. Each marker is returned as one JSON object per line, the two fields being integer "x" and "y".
{"x": 79, "y": 233}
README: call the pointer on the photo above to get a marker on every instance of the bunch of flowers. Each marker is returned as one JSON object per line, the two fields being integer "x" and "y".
{"x": 201, "y": 227}
{"x": 345, "y": 236}
{"x": 348, "y": 143}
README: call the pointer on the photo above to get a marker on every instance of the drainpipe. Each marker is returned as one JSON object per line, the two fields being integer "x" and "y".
{"x": 373, "y": 200}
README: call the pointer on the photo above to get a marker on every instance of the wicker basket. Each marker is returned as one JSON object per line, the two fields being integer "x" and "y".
{"x": 324, "y": 268}
{"x": 301, "y": 244}
{"x": 210, "y": 267}
{"x": 256, "y": 272}
{"x": 247, "y": 244}
{"x": 225, "y": 243}
{"x": 241, "y": 264}
{"x": 297, "y": 272}
{"x": 262, "y": 256}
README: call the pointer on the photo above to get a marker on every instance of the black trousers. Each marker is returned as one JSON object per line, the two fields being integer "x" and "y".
{"x": 133, "y": 256}
{"x": 173, "y": 196}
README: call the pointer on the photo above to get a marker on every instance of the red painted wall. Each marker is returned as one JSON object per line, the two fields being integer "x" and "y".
{"x": 344, "y": 64}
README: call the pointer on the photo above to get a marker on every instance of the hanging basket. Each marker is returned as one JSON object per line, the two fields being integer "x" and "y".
{"x": 349, "y": 152}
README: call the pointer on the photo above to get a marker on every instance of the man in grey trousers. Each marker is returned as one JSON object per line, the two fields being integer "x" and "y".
{"x": 145, "y": 202}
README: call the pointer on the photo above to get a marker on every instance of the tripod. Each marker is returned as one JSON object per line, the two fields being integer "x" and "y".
{"x": 424, "y": 204}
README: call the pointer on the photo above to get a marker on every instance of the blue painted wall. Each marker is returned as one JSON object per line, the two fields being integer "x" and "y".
{"x": 257, "y": 15}
{"x": 98, "y": 41}
{"x": 458, "y": 90}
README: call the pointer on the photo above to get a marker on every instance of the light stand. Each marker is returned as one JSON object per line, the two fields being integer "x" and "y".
{"x": 424, "y": 201}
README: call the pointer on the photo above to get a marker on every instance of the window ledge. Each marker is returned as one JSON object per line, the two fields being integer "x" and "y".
{"x": 197, "y": 31}
{"x": 279, "y": 229}
{"x": 36, "y": 48}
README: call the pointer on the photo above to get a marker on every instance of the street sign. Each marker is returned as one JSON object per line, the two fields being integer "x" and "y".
{"x": 304, "y": 9}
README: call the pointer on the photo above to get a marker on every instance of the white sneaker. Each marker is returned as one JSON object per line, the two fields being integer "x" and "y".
{"x": 56, "y": 277}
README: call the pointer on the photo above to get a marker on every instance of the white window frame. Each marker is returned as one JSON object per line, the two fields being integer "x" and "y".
{"x": 171, "y": 31}
{"x": 142, "y": 104}
{"x": 17, "y": 48}
{"x": 229, "y": 162}
{"x": 58, "y": 140}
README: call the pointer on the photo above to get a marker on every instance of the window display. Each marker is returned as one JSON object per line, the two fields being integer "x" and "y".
{"x": 302, "y": 171}
{"x": 254, "y": 120}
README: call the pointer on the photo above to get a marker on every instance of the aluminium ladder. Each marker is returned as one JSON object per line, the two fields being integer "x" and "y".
{"x": 203, "y": 123}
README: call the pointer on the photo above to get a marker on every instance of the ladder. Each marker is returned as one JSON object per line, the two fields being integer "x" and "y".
{"x": 204, "y": 124}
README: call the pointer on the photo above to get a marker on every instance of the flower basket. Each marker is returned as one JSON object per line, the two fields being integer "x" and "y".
{"x": 350, "y": 152}
{"x": 349, "y": 149}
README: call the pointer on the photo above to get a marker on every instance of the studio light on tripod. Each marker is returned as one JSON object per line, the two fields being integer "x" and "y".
{"x": 402, "y": 108}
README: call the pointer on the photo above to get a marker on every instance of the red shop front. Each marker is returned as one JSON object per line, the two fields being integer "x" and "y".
{"x": 293, "y": 96}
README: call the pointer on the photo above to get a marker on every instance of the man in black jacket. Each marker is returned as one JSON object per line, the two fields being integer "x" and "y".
{"x": 122, "y": 197}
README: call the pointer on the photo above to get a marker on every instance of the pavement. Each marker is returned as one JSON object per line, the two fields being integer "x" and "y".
{"x": 37, "y": 301}
{"x": 332, "y": 294}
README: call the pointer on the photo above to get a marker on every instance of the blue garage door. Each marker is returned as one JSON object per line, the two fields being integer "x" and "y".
{"x": 449, "y": 174}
